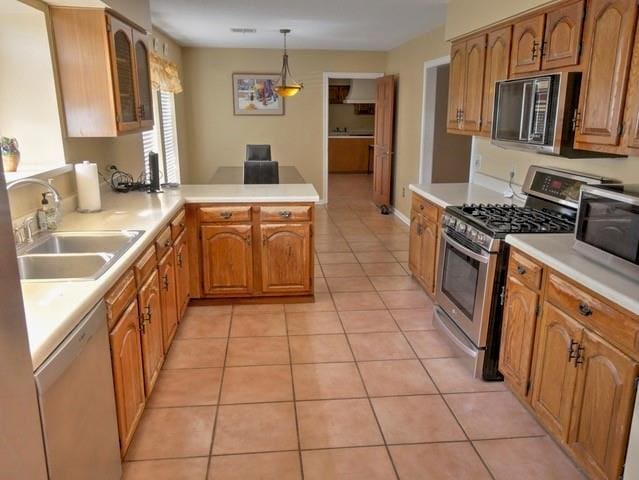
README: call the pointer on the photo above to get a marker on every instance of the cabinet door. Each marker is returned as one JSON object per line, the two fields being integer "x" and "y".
{"x": 525, "y": 54}
{"x": 168, "y": 295}
{"x": 429, "y": 254}
{"x": 182, "y": 279}
{"x": 124, "y": 78}
{"x": 227, "y": 258}
{"x": 562, "y": 40}
{"x": 456, "y": 82}
{"x": 415, "y": 244}
{"x": 555, "y": 372}
{"x": 286, "y": 258}
{"x": 602, "y": 408}
{"x": 128, "y": 376}
{"x": 631, "y": 140}
{"x": 143, "y": 80}
{"x": 150, "y": 306}
{"x": 497, "y": 62}
{"x": 474, "y": 83}
{"x": 608, "y": 39}
{"x": 518, "y": 334}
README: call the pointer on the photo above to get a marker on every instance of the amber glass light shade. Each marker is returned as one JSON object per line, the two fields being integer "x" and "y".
{"x": 286, "y": 86}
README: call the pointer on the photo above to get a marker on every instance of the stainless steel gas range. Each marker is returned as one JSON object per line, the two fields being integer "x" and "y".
{"x": 473, "y": 260}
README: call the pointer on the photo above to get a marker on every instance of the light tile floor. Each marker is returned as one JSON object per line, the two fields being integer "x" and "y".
{"x": 357, "y": 385}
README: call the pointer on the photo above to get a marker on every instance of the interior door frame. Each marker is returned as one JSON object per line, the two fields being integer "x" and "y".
{"x": 426, "y": 157}
{"x": 325, "y": 78}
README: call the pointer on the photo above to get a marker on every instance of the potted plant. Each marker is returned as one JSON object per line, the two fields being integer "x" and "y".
{"x": 10, "y": 154}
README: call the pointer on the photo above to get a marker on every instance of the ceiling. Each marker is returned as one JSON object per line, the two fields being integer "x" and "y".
{"x": 315, "y": 24}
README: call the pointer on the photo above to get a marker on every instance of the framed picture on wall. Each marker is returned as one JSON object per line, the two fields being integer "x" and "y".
{"x": 253, "y": 94}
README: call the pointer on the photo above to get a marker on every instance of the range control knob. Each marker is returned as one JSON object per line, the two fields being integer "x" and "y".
{"x": 473, "y": 234}
{"x": 461, "y": 227}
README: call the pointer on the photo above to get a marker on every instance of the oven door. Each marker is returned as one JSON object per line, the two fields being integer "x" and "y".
{"x": 464, "y": 287}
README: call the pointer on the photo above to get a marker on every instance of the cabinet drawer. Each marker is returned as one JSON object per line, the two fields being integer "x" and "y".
{"x": 285, "y": 213}
{"x": 177, "y": 224}
{"x": 525, "y": 269}
{"x": 233, "y": 213}
{"x": 425, "y": 208}
{"x": 610, "y": 323}
{"x": 119, "y": 297}
{"x": 145, "y": 265}
{"x": 163, "y": 242}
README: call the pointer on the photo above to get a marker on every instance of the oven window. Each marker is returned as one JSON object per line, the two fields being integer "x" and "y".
{"x": 459, "y": 282}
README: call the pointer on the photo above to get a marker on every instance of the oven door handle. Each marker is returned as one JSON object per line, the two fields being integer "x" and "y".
{"x": 466, "y": 250}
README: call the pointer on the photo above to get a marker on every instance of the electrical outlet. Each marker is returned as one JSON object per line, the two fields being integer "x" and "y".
{"x": 477, "y": 158}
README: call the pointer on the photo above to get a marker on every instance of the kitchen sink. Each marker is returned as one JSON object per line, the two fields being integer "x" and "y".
{"x": 83, "y": 242}
{"x": 85, "y": 266}
{"x": 73, "y": 256}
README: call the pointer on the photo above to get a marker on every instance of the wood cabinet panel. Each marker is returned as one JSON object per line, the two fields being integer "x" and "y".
{"x": 150, "y": 306}
{"x": 562, "y": 38}
{"x": 528, "y": 35}
{"x": 178, "y": 224}
{"x": 384, "y": 141}
{"x": 144, "y": 92}
{"x": 227, "y": 259}
{"x": 429, "y": 255}
{"x": 226, "y": 214}
{"x": 182, "y": 277}
{"x": 349, "y": 155}
{"x": 128, "y": 376}
{"x": 518, "y": 335}
{"x": 555, "y": 375}
{"x": 145, "y": 265}
{"x": 119, "y": 297}
{"x": 168, "y": 295}
{"x": 602, "y": 407}
{"x": 286, "y": 258}
{"x": 608, "y": 38}
{"x": 496, "y": 69}
{"x": 631, "y": 116}
{"x": 163, "y": 242}
{"x": 425, "y": 208}
{"x": 286, "y": 213}
{"x": 456, "y": 84}
{"x": 525, "y": 269}
{"x": 474, "y": 83}
{"x": 415, "y": 244}
{"x": 424, "y": 242}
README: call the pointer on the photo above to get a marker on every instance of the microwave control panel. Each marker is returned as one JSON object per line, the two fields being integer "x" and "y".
{"x": 556, "y": 186}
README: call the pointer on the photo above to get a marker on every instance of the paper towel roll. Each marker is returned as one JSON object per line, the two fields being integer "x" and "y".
{"x": 88, "y": 183}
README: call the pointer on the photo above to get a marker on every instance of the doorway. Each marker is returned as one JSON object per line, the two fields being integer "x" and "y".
{"x": 348, "y": 136}
{"x": 445, "y": 158}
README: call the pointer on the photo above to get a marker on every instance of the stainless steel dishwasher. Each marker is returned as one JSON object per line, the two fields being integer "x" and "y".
{"x": 77, "y": 404}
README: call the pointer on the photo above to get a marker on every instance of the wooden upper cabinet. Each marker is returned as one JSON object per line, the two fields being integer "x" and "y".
{"x": 518, "y": 334}
{"x": 474, "y": 83}
{"x": 182, "y": 278}
{"x": 457, "y": 79}
{"x": 555, "y": 375}
{"x": 608, "y": 39}
{"x": 602, "y": 407}
{"x": 496, "y": 69}
{"x": 168, "y": 295}
{"x": 562, "y": 38}
{"x": 128, "y": 376}
{"x": 631, "y": 119}
{"x": 104, "y": 84}
{"x": 286, "y": 258}
{"x": 528, "y": 35}
{"x": 227, "y": 260}
{"x": 150, "y": 306}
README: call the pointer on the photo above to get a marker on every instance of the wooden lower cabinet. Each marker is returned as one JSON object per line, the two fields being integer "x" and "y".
{"x": 518, "y": 335}
{"x": 150, "y": 306}
{"x": 182, "y": 279}
{"x": 350, "y": 155}
{"x": 286, "y": 257}
{"x": 227, "y": 259}
{"x": 602, "y": 408}
{"x": 128, "y": 374}
{"x": 168, "y": 296}
{"x": 424, "y": 243}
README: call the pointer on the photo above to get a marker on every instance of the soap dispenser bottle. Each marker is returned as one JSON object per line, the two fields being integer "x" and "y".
{"x": 46, "y": 215}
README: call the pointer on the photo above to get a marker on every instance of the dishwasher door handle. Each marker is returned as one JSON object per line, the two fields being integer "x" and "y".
{"x": 63, "y": 356}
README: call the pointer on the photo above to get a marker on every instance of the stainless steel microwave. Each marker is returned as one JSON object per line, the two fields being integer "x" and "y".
{"x": 535, "y": 113}
{"x": 607, "y": 227}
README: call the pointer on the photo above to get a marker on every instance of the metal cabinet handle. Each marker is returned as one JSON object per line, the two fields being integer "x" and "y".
{"x": 179, "y": 259}
{"x": 165, "y": 282}
{"x": 584, "y": 309}
{"x": 148, "y": 314}
{"x": 580, "y": 356}
{"x": 226, "y": 215}
{"x": 521, "y": 270}
{"x": 572, "y": 350}
{"x": 285, "y": 213}
{"x": 142, "y": 327}
{"x": 167, "y": 244}
{"x": 576, "y": 120}
{"x": 535, "y": 50}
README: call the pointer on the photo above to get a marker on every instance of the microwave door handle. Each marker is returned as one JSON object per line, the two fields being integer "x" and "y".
{"x": 524, "y": 123}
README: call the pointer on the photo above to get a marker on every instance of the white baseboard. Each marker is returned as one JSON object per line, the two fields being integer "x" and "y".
{"x": 401, "y": 216}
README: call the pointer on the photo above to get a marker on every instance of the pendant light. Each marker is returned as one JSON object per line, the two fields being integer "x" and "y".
{"x": 286, "y": 85}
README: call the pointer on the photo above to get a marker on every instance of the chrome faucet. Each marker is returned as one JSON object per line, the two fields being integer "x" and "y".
{"x": 24, "y": 234}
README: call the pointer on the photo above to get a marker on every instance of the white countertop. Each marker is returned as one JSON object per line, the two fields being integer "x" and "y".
{"x": 53, "y": 309}
{"x": 352, "y": 136}
{"x": 455, "y": 194}
{"x": 555, "y": 250}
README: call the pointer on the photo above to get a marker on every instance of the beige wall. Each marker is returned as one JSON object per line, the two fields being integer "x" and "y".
{"x": 465, "y": 16}
{"x": 216, "y": 137}
{"x": 407, "y": 62}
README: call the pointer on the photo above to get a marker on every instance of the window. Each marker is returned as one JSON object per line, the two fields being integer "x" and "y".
{"x": 163, "y": 138}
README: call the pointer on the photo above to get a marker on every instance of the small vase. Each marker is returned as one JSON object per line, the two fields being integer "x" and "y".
{"x": 10, "y": 161}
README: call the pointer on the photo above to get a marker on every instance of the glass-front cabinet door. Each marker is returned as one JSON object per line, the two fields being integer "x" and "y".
{"x": 143, "y": 77}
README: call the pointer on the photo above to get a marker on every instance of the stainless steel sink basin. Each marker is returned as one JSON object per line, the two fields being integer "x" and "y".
{"x": 87, "y": 266}
{"x": 83, "y": 242}
{"x": 73, "y": 256}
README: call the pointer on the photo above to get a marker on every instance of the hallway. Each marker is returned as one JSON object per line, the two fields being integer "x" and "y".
{"x": 357, "y": 385}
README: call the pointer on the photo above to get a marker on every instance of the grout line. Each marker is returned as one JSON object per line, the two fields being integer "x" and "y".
{"x": 297, "y": 423}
